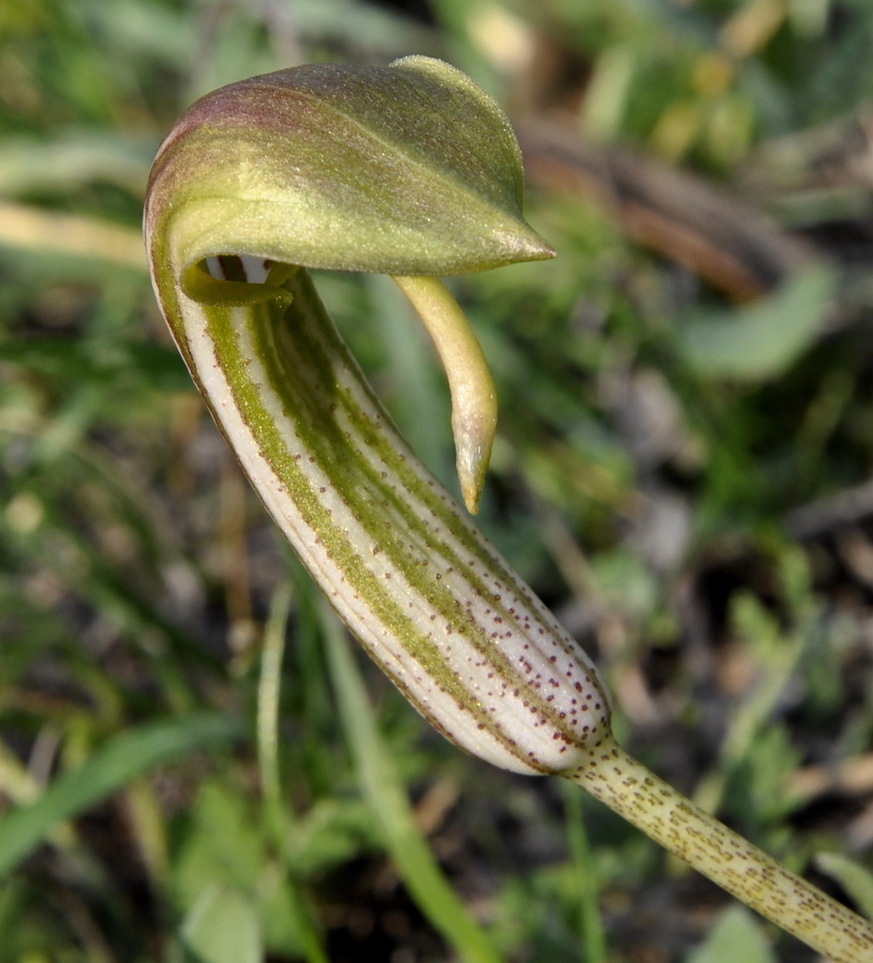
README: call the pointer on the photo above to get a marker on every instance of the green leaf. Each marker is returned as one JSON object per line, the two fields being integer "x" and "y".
{"x": 122, "y": 759}
{"x": 855, "y": 880}
{"x": 223, "y": 927}
{"x": 736, "y": 936}
{"x": 224, "y": 843}
{"x": 762, "y": 340}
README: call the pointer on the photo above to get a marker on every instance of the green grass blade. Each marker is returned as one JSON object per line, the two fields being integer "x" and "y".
{"x": 277, "y": 815}
{"x": 593, "y": 943}
{"x": 381, "y": 785}
{"x": 763, "y": 339}
{"x": 122, "y": 759}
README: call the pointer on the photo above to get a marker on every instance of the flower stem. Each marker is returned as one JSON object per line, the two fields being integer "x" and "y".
{"x": 664, "y": 814}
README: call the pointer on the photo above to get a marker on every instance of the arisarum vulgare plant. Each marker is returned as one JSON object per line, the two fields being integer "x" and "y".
{"x": 409, "y": 170}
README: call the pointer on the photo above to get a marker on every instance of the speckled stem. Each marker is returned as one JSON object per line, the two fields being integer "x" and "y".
{"x": 665, "y": 815}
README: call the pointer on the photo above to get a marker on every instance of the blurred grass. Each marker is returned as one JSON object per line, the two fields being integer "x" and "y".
{"x": 656, "y": 443}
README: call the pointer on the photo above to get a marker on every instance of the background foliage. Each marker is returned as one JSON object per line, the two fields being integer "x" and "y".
{"x": 189, "y": 768}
